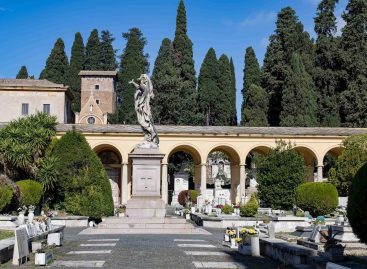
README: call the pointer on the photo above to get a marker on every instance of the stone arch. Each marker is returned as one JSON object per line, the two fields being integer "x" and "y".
{"x": 111, "y": 159}
{"x": 235, "y": 160}
{"x": 192, "y": 150}
{"x": 329, "y": 157}
{"x": 310, "y": 158}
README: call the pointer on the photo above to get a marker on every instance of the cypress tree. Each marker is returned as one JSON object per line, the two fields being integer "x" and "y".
{"x": 208, "y": 90}
{"x": 165, "y": 81}
{"x": 108, "y": 58}
{"x": 289, "y": 38}
{"x": 76, "y": 65}
{"x": 184, "y": 63}
{"x": 251, "y": 76}
{"x": 233, "y": 92}
{"x": 224, "y": 103}
{"x": 256, "y": 106}
{"x": 93, "y": 52}
{"x": 354, "y": 46}
{"x": 133, "y": 63}
{"x": 299, "y": 99}
{"x": 23, "y": 73}
{"x": 327, "y": 64}
{"x": 56, "y": 69}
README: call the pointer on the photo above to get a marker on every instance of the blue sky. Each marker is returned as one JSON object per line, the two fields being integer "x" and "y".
{"x": 29, "y": 28}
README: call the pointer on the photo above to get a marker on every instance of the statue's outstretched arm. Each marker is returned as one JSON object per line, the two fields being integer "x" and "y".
{"x": 134, "y": 83}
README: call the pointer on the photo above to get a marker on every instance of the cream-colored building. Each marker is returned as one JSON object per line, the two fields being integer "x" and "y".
{"x": 98, "y": 96}
{"x": 22, "y": 97}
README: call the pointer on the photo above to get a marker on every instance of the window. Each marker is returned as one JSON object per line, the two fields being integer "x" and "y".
{"x": 96, "y": 87}
{"x": 97, "y": 101}
{"x": 25, "y": 107}
{"x": 46, "y": 108}
{"x": 91, "y": 120}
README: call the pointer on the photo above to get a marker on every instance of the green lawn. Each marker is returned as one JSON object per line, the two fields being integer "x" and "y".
{"x": 6, "y": 234}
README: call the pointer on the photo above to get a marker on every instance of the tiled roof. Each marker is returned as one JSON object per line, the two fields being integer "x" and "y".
{"x": 29, "y": 83}
{"x": 216, "y": 130}
{"x": 97, "y": 73}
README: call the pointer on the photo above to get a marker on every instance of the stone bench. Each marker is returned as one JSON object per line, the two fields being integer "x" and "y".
{"x": 7, "y": 245}
{"x": 285, "y": 252}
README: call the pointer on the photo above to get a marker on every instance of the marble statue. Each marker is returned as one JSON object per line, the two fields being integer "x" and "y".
{"x": 143, "y": 94}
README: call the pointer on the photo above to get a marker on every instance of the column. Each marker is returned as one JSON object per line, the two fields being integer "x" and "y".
{"x": 165, "y": 182}
{"x": 242, "y": 181}
{"x": 319, "y": 173}
{"x": 124, "y": 186}
{"x": 203, "y": 181}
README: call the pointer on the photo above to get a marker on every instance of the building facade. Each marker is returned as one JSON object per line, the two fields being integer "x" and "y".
{"x": 22, "y": 97}
{"x": 98, "y": 96}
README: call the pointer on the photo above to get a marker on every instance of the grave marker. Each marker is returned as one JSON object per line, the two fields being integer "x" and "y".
{"x": 21, "y": 250}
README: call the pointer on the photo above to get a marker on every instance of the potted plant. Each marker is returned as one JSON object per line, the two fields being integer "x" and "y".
{"x": 187, "y": 214}
{"x": 232, "y": 236}
{"x": 251, "y": 243}
{"x": 43, "y": 256}
{"x": 334, "y": 250}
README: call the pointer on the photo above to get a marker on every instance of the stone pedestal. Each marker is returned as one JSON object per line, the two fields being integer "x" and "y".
{"x": 146, "y": 201}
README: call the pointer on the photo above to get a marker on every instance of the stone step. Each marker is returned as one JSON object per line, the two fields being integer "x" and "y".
{"x": 146, "y": 225}
{"x": 114, "y": 220}
{"x": 144, "y": 231}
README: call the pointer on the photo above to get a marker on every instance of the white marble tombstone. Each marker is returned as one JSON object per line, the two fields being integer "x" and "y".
{"x": 181, "y": 183}
{"x": 21, "y": 251}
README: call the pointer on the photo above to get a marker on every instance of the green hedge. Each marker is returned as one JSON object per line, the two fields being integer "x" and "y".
{"x": 227, "y": 209}
{"x": 30, "y": 192}
{"x": 319, "y": 198}
{"x": 250, "y": 208}
{"x": 357, "y": 204}
{"x": 193, "y": 194}
{"x": 6, "y": 195}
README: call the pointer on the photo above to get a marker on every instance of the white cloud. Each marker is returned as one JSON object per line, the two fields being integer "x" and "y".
{"x": 258, "y": 18}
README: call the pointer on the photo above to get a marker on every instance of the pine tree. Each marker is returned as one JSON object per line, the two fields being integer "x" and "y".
{"x": 93, "y": 52}
{"x": 299, "y": 98}
{"x": 251, "y": 76}
{"x": 327, "y": 64}
{"x": 108, "y": 60}
{"x": 76, "y": 65}
{"x": 56, "y": 69}
{"x": 208, "y": 90}
{"x": 256, "y": 106}
{"x": 23, "y": 73}
{"x": 289, "y": 38}
{"x": 224, "y": 103}
{"x": 165, "y": 82}
{"x": 233, "y": 92}
{"x": 184, "y": 63}
{"x": 354, "y": 45}
{"x": 133, "y": 63}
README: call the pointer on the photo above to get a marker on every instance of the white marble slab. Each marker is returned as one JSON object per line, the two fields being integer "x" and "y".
{"x": 106, "y": 251}
{"x": 99, "y": 245}
{"x": 227, "y": 265}
{"x": 206, "y": 253}
{"x": 78, "y": 264}
{"x": 104, "y": 240}
{"x": 189, "y": 240}
{"x": 195, "y": 246}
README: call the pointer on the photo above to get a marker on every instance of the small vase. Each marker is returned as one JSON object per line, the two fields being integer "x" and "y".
{"x": 30, "y": 216}
{"x": 233, "y": 242}
{"x": 226, "y": 238}
{"x": 255, "y": 246}
{"x": 193, "y": 209}
{"x": 188, "y": 216}
{"x": 21, "y": 217}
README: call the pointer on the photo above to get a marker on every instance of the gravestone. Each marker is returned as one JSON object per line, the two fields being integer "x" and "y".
{"x": 21, "y": 250}
{"x": 315, "y": 235}
{"x": 146, "y": 199}
{"x": 271, "y": 230}
{"x": 181, "y": 183}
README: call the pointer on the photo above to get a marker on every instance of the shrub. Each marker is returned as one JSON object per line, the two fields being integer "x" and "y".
{"x": 348, "y": 163}
{"x": 183, "y": 197}
{"x": 193, "y": 194}
{"x": 227, "y": 209}
{"x": 250, "y": 208}
{"x": 83, "y": 184}
{"x": 319, "y": 198}
{"x": 30, "y": 192}
{"x": 357, "y": 204}
{"x": 278, "y": 174}
{"x": 6, "y": 195}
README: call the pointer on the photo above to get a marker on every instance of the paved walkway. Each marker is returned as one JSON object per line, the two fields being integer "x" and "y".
{"x": 149, "y": 251}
